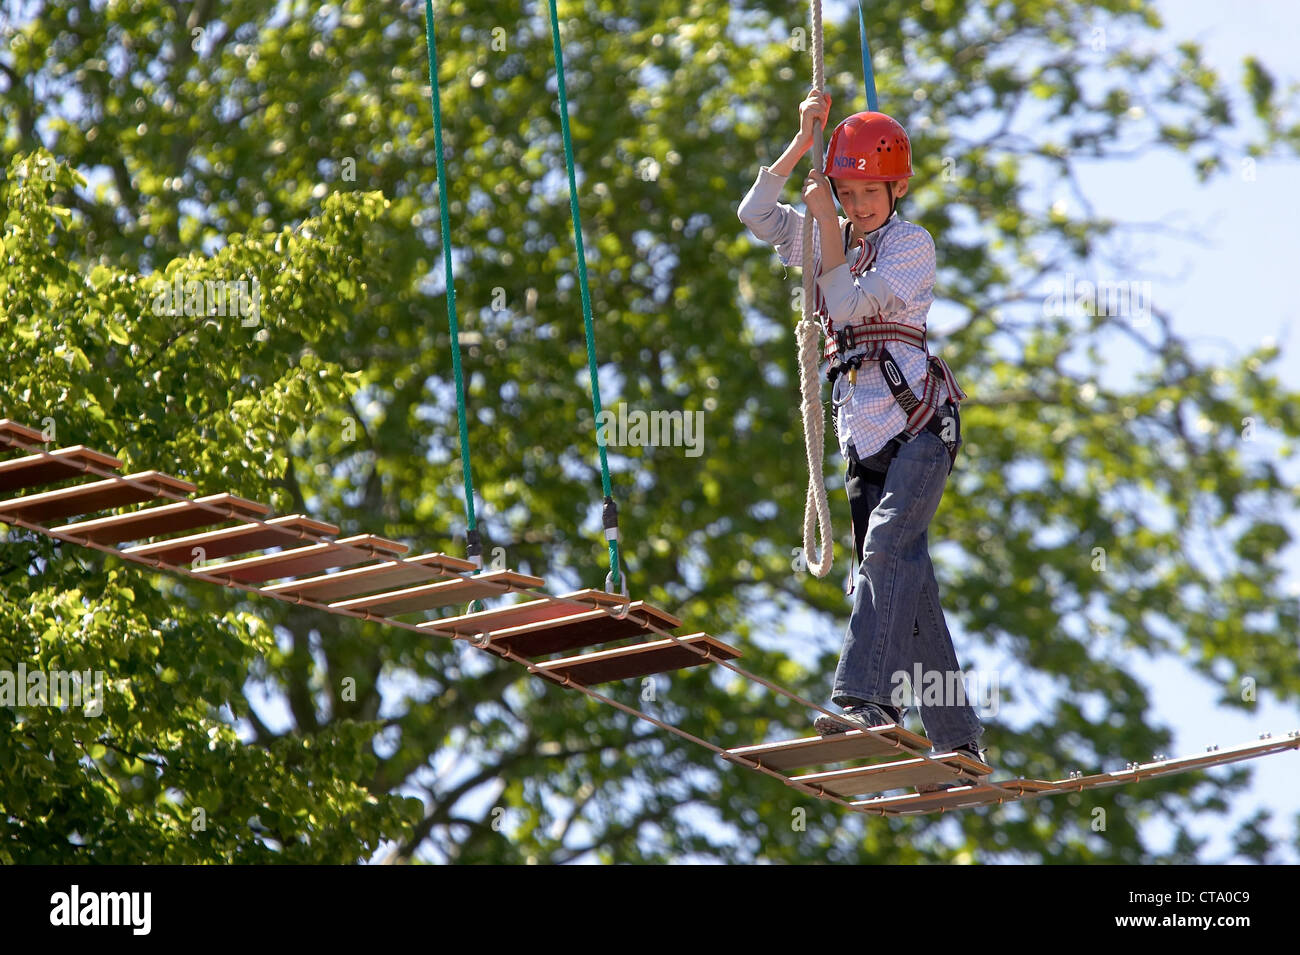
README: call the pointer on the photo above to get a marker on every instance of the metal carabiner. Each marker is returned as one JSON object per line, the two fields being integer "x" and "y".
{"x": 838, "y": 403}
{"x": 627, "y": 601}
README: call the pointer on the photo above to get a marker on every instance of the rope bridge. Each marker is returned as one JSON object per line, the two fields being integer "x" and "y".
{"x": 299, "y": 560}
{"x": 574, "y": 640}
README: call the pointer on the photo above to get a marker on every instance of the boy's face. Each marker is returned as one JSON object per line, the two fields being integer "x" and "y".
{"x": 867, "y": 203}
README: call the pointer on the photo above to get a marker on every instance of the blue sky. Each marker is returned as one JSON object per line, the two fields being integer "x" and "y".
{"x": 1232, "y": 291}
{"x": 1226, "y": 285}
{"x": 1222, "y": 284}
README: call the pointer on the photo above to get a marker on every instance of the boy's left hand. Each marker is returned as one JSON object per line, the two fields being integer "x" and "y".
{"x": 818, "y": 198}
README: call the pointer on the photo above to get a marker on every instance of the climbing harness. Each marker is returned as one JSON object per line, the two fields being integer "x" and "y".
{"x": 849, "y": 345}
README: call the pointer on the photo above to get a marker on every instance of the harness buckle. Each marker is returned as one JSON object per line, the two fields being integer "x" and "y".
{"x": 844, "y": 339}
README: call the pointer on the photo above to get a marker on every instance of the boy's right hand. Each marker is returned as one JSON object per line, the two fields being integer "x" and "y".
{"x": 815, "y": 109}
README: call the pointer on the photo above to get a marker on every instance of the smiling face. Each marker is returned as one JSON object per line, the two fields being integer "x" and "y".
{"x": 867, "y": 203}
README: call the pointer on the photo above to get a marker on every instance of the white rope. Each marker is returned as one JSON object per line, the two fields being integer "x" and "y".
{"x": 817, "y": 511}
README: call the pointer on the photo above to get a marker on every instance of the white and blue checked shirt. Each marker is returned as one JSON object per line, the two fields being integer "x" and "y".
{"x": 898, "y": 286}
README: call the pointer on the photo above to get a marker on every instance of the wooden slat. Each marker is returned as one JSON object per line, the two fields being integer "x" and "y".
{"x": 36, "y": 469}
{"x": 234, "y": 540}
{"x": 165, "y": 519}
{"x": 643, "y": 659}
{"x": 95, "y": 496}
{"x": 429, "y": 596}
{"x": 524, "y": 614}
{"x": 583, "y": 629}
{"x": 1181, "y": 764}
{"x": 959, "y": 797}
{"x": 897, "y": 774}
{"x": 15, "y": 435}
{"x": 307, "y": 560}
{"x": 368, "y": 580}
{"x": 838, "y": 747}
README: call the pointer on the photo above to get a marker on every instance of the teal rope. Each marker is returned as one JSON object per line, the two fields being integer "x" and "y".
{"x": 868, "y": 77}
{"x": 434, "y": 95}
{"x": 582, "y": 282}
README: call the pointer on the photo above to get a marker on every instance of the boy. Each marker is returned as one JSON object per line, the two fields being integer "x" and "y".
{"x": 897, "y": 417}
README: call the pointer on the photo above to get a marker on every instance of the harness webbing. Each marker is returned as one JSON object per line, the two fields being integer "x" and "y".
{"x": 849, "y": 337}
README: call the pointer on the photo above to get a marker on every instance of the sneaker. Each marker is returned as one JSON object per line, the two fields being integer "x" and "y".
{"x": 966, "y": 749}
{"x": 858, "y": 716}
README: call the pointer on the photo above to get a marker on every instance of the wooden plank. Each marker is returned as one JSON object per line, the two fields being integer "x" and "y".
{"x": 1182, "y": 764}
{"x": 963, "y": 797}
{"x": 234, "y": 540}
{"x": 642, "y": 659}
{"x": 523, "y": 614}
{"x": 95, "y": 496}
{"x": 897, "y": 774}
{"x": 443, "y": 594}
{"x": 959, "y": 797}
{"x": 307, "y": 560}
{"x": 15, "y": 435}
{"x": 37, "y": 469}
{"x": 582, "y": 629}
{"x": 836, "y": 748}
{"x": 368, "y": 580}
{"x": 165, "y": 519}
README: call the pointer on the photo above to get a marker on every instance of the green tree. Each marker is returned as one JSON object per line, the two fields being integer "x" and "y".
{"x": 153, "y": 767}
{"x": 295, "y": 143}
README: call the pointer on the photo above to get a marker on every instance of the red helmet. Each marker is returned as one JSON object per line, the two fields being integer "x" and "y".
{"x": 869, "y": 146}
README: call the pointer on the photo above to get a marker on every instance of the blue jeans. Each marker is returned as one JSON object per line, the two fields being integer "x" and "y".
{"x": 897, "y": 621}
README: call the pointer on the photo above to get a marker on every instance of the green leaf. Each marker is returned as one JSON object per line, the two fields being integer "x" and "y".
{"x": 117, "y": 332}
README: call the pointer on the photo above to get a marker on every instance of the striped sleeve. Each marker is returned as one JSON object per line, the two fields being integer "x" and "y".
{"x": 772, "y": 221}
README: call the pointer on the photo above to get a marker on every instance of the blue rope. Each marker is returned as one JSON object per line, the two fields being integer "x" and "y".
{"x": 868, "y": 77}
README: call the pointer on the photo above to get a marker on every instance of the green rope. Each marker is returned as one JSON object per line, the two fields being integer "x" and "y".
{"x": 472, "y": 546}
{"x": 610, "y": 512}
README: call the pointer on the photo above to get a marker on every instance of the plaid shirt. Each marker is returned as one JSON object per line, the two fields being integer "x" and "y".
{"x": 895, "y": 284}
